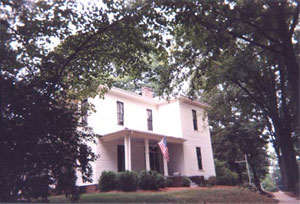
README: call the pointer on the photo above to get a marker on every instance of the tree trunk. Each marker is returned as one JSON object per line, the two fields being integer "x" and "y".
{"x": 238, "y": 170}
{"x": 256, "y": 179}
{"x": 281, "y": 168}
{"x": 288, "y": 161}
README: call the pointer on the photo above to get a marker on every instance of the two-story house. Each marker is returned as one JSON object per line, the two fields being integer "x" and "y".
{"x": 131, "y": 126}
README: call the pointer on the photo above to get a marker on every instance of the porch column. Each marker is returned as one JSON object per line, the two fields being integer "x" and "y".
{"x": 127, "y": 149}
{"x": 165, "y": 167}
{"x": 129, "y": 153}
{"x": 147, "y": 160}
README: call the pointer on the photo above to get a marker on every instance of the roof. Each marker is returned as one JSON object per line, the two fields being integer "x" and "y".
{"x": 155, "y": 101}
{"x": 140, "y": 134}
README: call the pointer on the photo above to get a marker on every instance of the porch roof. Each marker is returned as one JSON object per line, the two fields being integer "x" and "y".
{"x": 140, "y": 134}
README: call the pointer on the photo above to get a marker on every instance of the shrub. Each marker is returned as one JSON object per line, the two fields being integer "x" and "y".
{"x": 224, "y": 175}
{"x": 151, "y": 180}
{"x": 268, "y": 184}
{"x": 212, "y": 180}
{"x": 144, "y": 179}
{"x": 127, "y": 181}
{"x": 107, "y": 181}
{"x": 168, "y": 182}
{"x": 186, "y": 182}
{"x": 161, "y": 181}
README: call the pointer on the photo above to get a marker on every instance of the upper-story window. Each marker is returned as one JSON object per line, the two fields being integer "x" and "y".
{"x": 120, "y": 113}
{"x": 195, "y": 120}
{"x": 149, "y": 119}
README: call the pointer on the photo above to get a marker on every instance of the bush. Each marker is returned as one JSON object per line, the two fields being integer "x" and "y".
{"x": 144, "y": 179}
{"x": 161, "y": 181}
{"x": 186, "y": 182}
{"x": 268, "y": 184}
{"x": 107, "y": 181}
{"x": 211, "y": 181}
{"x": 127, "y": 181}
{"x": 224, "y": 175}
{"x": 168, "y": 182}
{"x": 151, "y": 180}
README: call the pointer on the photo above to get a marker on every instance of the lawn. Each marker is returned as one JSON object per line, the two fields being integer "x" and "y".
{"x": 199, "y": 195}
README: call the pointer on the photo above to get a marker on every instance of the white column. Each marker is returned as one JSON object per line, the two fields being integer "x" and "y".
{"x": 147, "y": 159}
{"x": 165, "y": 167}
{"x": 129, "y": 153}
{"x": 126, "y": 153}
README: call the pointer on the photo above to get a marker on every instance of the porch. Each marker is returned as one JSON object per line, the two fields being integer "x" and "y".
{"x": 136, "y": 150}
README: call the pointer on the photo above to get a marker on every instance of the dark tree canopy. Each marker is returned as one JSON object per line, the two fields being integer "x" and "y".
{"x": 43, "y": 141}
{"x": 253, "y": 45}
{"x": 237, "y": 129}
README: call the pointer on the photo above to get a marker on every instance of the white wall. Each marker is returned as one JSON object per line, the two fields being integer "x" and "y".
{"x": 169, "y": 119}
{"x": 104, "y": 120}
{"x": 196, "y": 138}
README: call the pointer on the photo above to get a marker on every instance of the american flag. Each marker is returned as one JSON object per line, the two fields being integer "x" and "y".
{"x": 164, "y": 149}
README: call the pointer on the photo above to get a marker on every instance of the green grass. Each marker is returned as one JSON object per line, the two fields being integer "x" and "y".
{"x": 217, "y": 195}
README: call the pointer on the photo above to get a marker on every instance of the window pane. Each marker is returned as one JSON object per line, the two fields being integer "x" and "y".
{"x": 195, "y": 124}
{"x": 199, "y": 157}
{"x": 120, "y": 113}
{"x": 149, "y": 119}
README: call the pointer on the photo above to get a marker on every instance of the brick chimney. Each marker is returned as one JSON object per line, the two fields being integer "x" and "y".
{"x": 147, "y": 92}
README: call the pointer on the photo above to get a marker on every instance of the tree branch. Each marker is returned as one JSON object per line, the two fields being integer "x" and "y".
{"x": 259, "y": 102}
{"x": 295, "y": 19}
{"x": 237, "y": 35}
{"x": 261, "y": 31}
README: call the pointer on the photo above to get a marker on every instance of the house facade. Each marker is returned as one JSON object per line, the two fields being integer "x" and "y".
{"x": 131, "y": 126}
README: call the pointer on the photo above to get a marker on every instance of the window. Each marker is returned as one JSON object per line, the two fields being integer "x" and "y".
{"x": 149, "y": 119}
{"x": 154, "y": 159}
{"x": 199, "y": 157}
{"x": 195, "y": 120}
{"x": 84, "y": 111}
{"x": 120, "y": 113}
{"x": 121, "y": 158}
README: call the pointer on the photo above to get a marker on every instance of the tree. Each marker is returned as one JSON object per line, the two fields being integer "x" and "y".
{"x": 237, "y": 130}
{"x": 43, "y": 141}
{"x": 215, "y": 40}
{"x": 41, "y": 144}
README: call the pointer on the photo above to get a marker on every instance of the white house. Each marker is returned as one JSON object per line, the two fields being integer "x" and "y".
{"x": 131, "y": 126}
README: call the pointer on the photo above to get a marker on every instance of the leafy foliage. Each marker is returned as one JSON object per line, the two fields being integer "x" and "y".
{"x": 151, "y": 180}
{"x": 211, "y": 181}
{"x": 127, "y": 181}
{"x": 108, "y": 181}
{"x": 42, "y": 138}
{"x": 41, "y": 144}
{"x": 168, "y": 182}
{"x": 224, "y": 175}
{"x": 186, "y": 182}
{"x": 268, "y": 184}
{"x": 241, "y": 44}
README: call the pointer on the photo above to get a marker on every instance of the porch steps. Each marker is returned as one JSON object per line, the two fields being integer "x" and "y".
{"x": 193, "y": 185}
